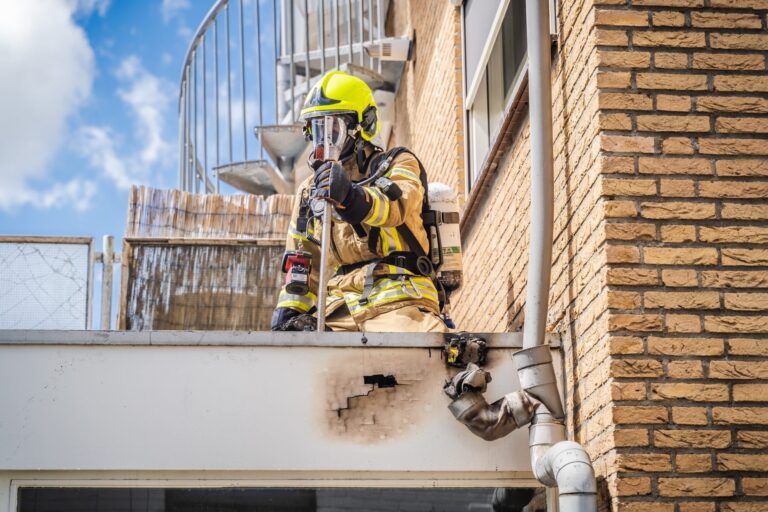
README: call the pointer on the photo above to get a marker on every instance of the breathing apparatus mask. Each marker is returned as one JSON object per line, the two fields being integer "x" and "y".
{"x": 332, "y": 136}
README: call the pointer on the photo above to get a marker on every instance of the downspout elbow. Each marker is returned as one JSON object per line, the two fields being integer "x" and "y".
{"x": 567, "y": 466}
{"x": 496, "y": 420}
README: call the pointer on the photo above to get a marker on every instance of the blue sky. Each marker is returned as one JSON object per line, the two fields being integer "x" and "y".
{"x": 88, "y": 107}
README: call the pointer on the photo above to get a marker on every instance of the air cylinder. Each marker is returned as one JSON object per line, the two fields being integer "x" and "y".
{"x": 443, "y": 199}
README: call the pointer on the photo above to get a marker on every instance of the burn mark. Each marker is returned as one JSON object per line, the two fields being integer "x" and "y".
{"x": 372, "y": 396}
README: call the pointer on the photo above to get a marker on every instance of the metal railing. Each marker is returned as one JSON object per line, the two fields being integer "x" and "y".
{"x": 250, "y": 63}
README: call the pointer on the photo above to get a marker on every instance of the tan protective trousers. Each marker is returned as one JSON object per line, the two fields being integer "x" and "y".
{"x": 405, "y": 319}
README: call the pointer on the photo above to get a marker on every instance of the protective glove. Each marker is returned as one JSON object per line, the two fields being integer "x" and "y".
{"x": 280, "y": 317}
{"x": 350, "y": 200}
{"x": 303, "y": 322}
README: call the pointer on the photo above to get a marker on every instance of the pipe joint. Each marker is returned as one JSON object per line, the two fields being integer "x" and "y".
{"x": 544, "y": 432}
{"x": 568, "y": 464}
{"x": 537, "y": 377}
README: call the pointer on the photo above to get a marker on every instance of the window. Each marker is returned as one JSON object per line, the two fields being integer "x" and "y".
{"x": 494, "y": 63}
{"x": 277, "y": 499}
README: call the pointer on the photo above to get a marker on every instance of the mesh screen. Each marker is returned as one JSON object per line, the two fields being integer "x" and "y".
{"x": 205, "y": 287}
{"x": 43, "y": 285}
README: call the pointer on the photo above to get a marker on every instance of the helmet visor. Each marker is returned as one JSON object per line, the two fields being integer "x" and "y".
{"x": 329, "y": 133}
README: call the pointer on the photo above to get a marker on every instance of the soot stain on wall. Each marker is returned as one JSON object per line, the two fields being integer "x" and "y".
{"x": 375, "y": 395}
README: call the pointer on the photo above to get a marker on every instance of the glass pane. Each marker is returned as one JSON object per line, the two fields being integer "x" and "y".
{"x": 496, "y": 89}
{"x": 479, "y": 141}
{"x": 478, "y": 19}
{"x": 280, "y": 500}
{"x": 43, "y": 285}
{"x": 514, "y": 42}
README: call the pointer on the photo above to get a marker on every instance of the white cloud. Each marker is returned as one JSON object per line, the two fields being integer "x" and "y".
{"x": 87, "y": 7}
{"x": 96, "y": 144}
{"x": 48, "y": 69}
{"x": 76, "y": 193}
{"x": 171, "y": 8}
{"x": 147, "y": 98}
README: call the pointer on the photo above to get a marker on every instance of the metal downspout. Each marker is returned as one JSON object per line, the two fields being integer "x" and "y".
{"x": 555, "y": 461}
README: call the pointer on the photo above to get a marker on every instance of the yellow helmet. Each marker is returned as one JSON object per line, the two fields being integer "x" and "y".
{"x": 340, "y": 93}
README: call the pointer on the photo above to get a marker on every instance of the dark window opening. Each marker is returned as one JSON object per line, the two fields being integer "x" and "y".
{"x": 514, "y": 43}
{"x": 49, "y": 499}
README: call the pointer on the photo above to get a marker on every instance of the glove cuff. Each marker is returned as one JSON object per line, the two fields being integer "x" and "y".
{"x": 355, "y": 207}
{"x": 280, "y": 317}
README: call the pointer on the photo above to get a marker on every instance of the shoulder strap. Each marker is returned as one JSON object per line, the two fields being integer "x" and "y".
{"x": 373, "y": 239}
{"x": 393, "y": 153}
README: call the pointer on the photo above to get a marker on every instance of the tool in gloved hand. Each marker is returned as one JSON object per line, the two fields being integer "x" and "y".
{"x": 332, "y": 183}
{"x": 464, "y": 348}
{"x": 350, "y": 200}
{"x": 329, "y": 134}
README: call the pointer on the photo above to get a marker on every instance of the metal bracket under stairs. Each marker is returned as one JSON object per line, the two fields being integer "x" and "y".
{"x": 255, "y": 177}
{"x": 283, "y": 143}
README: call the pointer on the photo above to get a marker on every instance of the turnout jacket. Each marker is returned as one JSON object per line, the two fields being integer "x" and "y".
{"x": 394, "y": 287}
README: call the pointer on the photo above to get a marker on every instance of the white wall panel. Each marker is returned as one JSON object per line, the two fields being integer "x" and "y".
{"x": 219, "y": 408}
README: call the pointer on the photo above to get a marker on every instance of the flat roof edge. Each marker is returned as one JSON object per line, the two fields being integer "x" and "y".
{"x": 250, "y": 338}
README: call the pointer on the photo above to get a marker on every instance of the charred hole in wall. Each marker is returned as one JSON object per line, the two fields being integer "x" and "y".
{"x": 382, "y": 381}
{"x": 371, "y": 396}
{"x": 376, "y": 407}
{"x": 378, "y": 380}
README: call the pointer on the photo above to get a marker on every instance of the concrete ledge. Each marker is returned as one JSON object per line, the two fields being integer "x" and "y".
{"x": 248, "y": 338}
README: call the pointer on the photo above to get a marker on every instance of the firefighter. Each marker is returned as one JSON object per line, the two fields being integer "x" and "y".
{"x": 379, "y": 282}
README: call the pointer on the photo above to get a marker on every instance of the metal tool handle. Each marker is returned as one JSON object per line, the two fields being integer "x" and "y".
{"x": 325, "y": 244}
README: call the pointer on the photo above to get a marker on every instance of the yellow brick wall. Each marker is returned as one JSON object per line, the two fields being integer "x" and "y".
{"x": 684, "y": 182}
{"x": 660, "y": 273}
{"x": 429, "y": 106}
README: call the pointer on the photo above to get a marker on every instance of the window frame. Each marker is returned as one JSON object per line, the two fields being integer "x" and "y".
{"x": 513, "y": 102}
{"x": 472, "y": 84}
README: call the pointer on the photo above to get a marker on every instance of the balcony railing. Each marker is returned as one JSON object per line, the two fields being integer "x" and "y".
{"x": 249, "y": 66}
